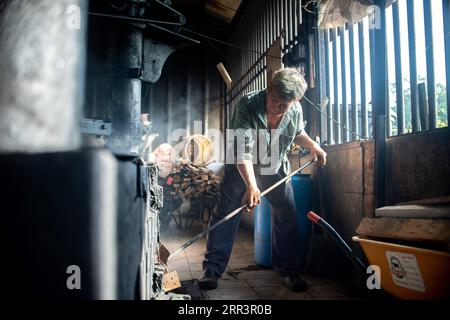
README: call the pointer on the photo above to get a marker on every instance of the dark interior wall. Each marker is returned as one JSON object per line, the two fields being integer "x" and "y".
{"x": 418, "y": 166}
{"x": 343, "y": 196}
{"x": 189, "y": 90}
{"x": 348, "y": 183}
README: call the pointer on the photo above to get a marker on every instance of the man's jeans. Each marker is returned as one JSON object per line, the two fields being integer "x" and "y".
{"x": 285, "y": 246}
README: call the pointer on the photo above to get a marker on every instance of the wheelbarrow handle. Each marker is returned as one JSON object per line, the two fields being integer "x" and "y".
{"x": 336, "y": 236}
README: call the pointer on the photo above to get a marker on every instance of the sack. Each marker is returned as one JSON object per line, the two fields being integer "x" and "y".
{"x": 336, "y": 13}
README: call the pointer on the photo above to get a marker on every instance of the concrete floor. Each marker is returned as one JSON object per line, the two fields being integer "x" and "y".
{"x": 243, "y": 280}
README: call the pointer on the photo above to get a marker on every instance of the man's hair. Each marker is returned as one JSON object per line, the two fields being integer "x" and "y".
{"x": 289, "y": 84}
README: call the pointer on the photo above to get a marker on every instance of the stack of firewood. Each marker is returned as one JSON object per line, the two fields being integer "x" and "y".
{"x": 189, "y": 181}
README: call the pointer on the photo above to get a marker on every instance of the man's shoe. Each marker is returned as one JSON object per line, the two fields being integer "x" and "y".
{"x": 295, "y": 283}
{"x": 208, "y": 280}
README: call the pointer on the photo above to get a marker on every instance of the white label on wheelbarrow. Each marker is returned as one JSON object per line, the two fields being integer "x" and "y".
{"x": 405, "y": 270}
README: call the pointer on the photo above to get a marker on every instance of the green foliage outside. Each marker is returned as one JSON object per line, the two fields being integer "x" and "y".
{"x": 441, "y": 106}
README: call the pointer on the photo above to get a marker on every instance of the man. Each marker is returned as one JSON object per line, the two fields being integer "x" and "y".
{"x": 278, "y": 113}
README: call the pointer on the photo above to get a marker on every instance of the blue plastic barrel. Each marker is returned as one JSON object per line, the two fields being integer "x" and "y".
{"x": 302, "y": 185}
{"x": 262, "y": 234}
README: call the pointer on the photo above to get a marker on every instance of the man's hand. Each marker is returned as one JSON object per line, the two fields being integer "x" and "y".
{"x": 251, "y": 197}
{"x": 317, "y": 152}
{"x": 319, "y": 155}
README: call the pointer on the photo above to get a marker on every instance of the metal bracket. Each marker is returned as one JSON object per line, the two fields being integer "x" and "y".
{"x": 155, "y": 55}
{"x": 95, "y": 127}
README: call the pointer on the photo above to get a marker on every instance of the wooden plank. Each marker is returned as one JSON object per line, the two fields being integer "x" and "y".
{"x": 414, "y": 211}
{"x": 424, "y": 230}
{"x": 344, "y": 171}
{"x": 369, "y": 206}
{"x": 436, "y": 200}
{"x": 417, "y": 166}
{"x": 368, "y": 167}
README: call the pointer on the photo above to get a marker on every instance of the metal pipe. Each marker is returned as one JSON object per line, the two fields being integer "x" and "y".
{"x": 285, "y": 27}
{"x": 337, "y": 113}
{"x": 398, "y": 70}
{"x": 429, "y": 45}
{"x": 345, "y": 133}
{"x": 327, "y": 86}
{"x": 182, "y": 18}
{"x": 104, "y": 15}
{"x": 173, "y": 33}
{"x": 295, "y": 11}
{"x": 379, "y": 98}
{"x": 423, "y": 106}
{"x": 413, "y": 67}
{"x": 275, "y": 20}
{"x": 291, "y": 24}
{"x": 247, "y": 62}
{"x": 446, "y": 17}
{"x": 362, "y": 79}
{"x": 353, "y": 82}
{"x": 252, "y": 39}
{"x": 258, "y": 43}
{"x": 266, "y": 26}
{"x": 279, "y": 17}
{"x": 269, "y": 21}
{"x": 318, "y": 58}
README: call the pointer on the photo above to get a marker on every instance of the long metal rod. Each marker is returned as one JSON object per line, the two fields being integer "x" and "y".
{"x": 413, "y": 67}
{"x": 398, "y": 69}
{"x": 318, "y": 58}
{"x": 174, "y": 33}
{"x": 327, "y": 86}
{"x": 429, "y": 45}
{"x": 280, "y": 20}
{"x": 236, "y": 211}
{"x": 290, "y": 24}
{"x": 252, "y": 44}
{"x": 446, "y": 17}
{"x": 171, "y": 9}
{"x": 286, "y": 26}
{"x": 272, "y": 21}
{"x": 379, "y": 99}
{"x": 353, "y": 82}
{"x": 345, "y": 133}
{"x": 423, "y": 106}
{"x": 265, "y": 27}
{"x": 247, "y": 57}
{"x": 362, "y": 80}
{"x": 258, "y": 43}
{"x": 337, "y": 112}
{"x": 296, "y": 20}
{"x": 104, "y": 15}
